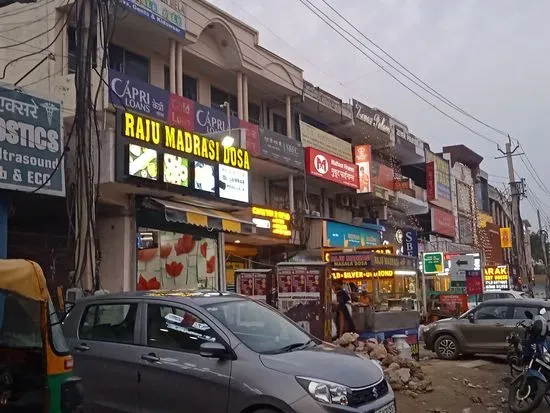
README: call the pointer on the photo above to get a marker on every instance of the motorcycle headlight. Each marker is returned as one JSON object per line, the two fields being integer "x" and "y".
{"x": 325, "y": 391}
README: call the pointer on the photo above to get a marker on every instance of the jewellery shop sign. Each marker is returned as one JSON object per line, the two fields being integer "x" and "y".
{"x": 155, "y": 154}
{"x": 31, "y": 144}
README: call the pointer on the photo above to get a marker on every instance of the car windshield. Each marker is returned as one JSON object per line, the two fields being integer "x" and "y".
{"x": 259, "y": 327}
{"x": 19, "y": 322}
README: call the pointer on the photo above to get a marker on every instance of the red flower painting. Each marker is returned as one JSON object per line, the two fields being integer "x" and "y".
{"x": 211, "y": 265}
{"x": 185, "y": 245}
{"x": 174, "y": 269}
{"x": 204, "y": 247}
{"x": 144, "y": 285}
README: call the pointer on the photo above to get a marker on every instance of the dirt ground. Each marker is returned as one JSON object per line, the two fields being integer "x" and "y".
{"x": 477, "y": 384}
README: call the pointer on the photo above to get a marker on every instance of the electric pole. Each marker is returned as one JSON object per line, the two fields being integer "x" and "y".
{"x": 543, "y": 235}
{"x": 518, "y": 238}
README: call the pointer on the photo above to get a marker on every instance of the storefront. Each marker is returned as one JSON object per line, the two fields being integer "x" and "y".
{"x": 199, "y": 186}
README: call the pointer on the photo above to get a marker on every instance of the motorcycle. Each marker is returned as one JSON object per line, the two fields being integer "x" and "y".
{"x": 529, "y": 388}
{"x": 515, "y": 356}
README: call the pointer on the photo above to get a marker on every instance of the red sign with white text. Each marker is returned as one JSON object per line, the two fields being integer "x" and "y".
{"x": 430, "y": 180}
{"x": 331, "y": 168}
{"x": 443, "y": 222}
{"x": 181, "y": 112}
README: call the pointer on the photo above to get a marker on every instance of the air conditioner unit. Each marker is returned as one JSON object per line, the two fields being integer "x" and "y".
{"x": 316, "y": 214}
{"x": 355, "y": 202}
{"x": 379, "y": 212}
{"x": 344, "y": 200}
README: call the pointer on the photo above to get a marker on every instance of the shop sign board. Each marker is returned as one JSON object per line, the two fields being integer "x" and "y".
{"x": 169, "y": 15}
{"x": 326, "y": 166}
{"x": 410, "y": 242}
{"x": 352, "y": 259}
{"x": 234, "y": 183}
{"x": 505, "y": 237}
{"x": 382, "y": 175}
{"x": 395, "y": 262}
{"x": 357, "y": 275}
{"x": 271, "y": 222}
{"x": 432, "y": 262}
{"x": 459, "y": 265}
{"x": 443, "y": 222}
{"x": 363, "y": 160}
{"x": 496, "y": 278}
{"x": 438, "y": 180}
{"x": 454, "y": 303}
{"x": 337, "y": 234}
{"x": 31, "y": 143}
{"x": 137, "y": 96}
{"x": 379, "y": 249}
{"x": 376, "y": 119}
{"x": 325, "y": 142}
{"x": 282, "y": 149}
{"x": 210, "y": 120}
{"x": 474, "y": 282}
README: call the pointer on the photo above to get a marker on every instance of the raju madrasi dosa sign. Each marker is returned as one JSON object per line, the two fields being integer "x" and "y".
{"x": 139, "y": 128}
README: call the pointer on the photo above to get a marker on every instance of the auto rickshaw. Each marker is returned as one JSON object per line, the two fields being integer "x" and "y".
{"x": 36, "y": 369}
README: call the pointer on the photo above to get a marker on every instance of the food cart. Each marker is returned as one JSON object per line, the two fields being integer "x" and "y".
{"x": 383, "y": 290}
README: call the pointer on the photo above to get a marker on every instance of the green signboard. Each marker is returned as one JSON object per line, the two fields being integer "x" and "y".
{"x": 432, "y": 262}
{"x": 31, "y": 144}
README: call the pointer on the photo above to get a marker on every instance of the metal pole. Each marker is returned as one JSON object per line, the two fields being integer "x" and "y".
{"x": 424, "y": 296}
{"x": 542, "y": 237}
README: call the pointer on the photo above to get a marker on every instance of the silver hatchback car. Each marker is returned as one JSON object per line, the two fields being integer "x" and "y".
{"x": 213, "y": 352}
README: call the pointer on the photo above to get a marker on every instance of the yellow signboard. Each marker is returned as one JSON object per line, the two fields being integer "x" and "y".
{"x": 379, "y": 249}
{"x": 356, "y": 275}
{"x": 483, "y": 219}
{"x": 505, "y": 238}
{"x": 277, "y": 222}
{"x": 157, "y": 133}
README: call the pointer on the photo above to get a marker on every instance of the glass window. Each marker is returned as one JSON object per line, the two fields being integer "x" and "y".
{"x": 279, "y": 124}
{"x": 72, "y": 52}
{"x": 190, "y": 87}
{"x": 129, "y": 63}
{"x": 109, "y": 322}
{"x": 519, "y": 312}
{"x": 58, "y": 339}
{"x": 259, "y": 327}
{"x": 170, "y": 260}
{"x": 219, "y": 97}
{"x": 490, "y": 296}
{"x": 116, "y": 58}
{"x": 176, "y": 329}
{"x": 20, "y": 325}
{"x": 253, "y": 113}
{"x": 492, "y": 312}
{"x": 167, "y": 78}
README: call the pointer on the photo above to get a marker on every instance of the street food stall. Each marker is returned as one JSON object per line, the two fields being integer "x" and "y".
{"x": 383, "y": 290}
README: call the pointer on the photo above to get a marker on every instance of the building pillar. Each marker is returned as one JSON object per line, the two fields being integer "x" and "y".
{"x": 288, "y": 117}
{"x": 291, "y": 192}
{"x": 179, "y": 69}
{"x": 172, "y": 69}
{"x": 245, "y": 97}
{"x": 4, "y": 211}
{"x": 222, "y": 277}
{"x": 240, "y": 95}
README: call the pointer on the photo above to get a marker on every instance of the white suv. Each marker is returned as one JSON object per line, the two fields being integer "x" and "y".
{"x": 474, "y": 300}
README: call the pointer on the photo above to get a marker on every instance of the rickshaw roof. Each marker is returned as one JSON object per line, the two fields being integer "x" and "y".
{"x": 25, "y": 278}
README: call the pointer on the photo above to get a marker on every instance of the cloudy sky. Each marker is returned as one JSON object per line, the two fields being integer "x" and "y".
{"x": 490, "y": 57}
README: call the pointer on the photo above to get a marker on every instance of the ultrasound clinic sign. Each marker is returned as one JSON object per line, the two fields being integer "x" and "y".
{"x": 137, "y": 96}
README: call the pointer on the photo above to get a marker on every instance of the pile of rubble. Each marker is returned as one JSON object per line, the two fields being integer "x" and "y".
{"x": 403, "y": 374}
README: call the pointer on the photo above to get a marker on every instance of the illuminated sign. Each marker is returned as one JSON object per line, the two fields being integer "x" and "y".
{"x": 273, "y": 221}
{"x": 142, "y": 162}
{"x": 356, "y": 275}
{"x": 505, "y": 238}
{"x": 353, "y": 259}
{"x": 140, "y": 128}
{"x": 233, "y": 183}
{"x": 394, "y": 261}
{"x": 496, "y": 278}
{"x": 379, "y": 249}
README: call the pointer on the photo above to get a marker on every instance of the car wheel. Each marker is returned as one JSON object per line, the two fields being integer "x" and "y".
{"x": 446, "y": 348}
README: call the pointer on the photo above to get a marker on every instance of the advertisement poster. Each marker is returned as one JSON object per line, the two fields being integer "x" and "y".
{"x": 280, "y": 148}
{"x": 233, "y": 183}
{"x": 331, "y": 168}
{"x": 246, "y": 285}
{"x": 505, "y": 238}
{"x": 176, "y": 261}
{"x": 260, "y": 284}
{"x": 209, "y": 120}
{"x": 31, "y": 144}
{"x": 325, "y": 142}
{"x": 181, "y": 112}
{"x": 363, "y": 162}
{"x": 454, "y": 303}
{"x": 496, "y": 277}
{"x": 443, "y": 222}
{"x": 474, "y": 282}
{"x": 337, "y": 234}
{"x": 300, "y": 302}
{"x": 382, "y": 175}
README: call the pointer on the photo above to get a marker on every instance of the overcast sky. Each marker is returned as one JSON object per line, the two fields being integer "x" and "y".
{"x": 490, "y": 57}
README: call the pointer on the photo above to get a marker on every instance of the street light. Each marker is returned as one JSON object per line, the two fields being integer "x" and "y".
{"x": 228, "y": 140}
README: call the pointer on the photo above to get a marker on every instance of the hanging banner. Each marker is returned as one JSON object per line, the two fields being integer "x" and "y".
{"x": 505, "y": 238}
{"x": 410, "y": 243}
{"x": 363, "y": 162}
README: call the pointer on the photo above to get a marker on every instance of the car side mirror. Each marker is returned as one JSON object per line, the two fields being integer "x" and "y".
{"x": 213, "y": 350}
{"x": 471, "y": 318}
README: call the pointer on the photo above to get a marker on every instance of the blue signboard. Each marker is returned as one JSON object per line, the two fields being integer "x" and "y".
{"x": 209, "y": 120}
{"x": 168, "y": 15}
{"x": 337, "y": 234}
{"x": 410, "y": 242}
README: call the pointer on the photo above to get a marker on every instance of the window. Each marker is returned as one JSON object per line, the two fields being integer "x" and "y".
{"x": 57, "y": 338}
{"x": 258, "y": 327}
{"x": 176, "y": 329}
{"x": 72, "y": 53}
{"x": 109, "y": 322}
{"x": 20, "y": 322}
{"x": 279, "y": 124}
{"x": 129, "y": 63}
{"x": 490, "y": 296}
{"x": 253, "y": 113}
{"x": 519, "y": 312}
{"x": 218, "y": 97}
{"x": 492, "y": 312}
{"x": 189, "y": 85}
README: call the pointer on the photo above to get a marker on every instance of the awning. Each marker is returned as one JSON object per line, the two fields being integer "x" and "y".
{"x": 209, "y": 218}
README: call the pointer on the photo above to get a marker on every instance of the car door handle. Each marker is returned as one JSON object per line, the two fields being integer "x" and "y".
{"x": 82, "y": 347}
{"x": 151, "y": 357}
{"x": 499, "y": 325}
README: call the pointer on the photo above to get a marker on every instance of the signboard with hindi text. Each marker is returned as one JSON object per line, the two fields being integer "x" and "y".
{"x": 31, "y": 143}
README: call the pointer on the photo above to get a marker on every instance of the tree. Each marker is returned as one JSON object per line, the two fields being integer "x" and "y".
{"x": 536, "y": 247}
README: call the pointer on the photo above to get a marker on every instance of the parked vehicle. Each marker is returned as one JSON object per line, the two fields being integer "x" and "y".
{"x": 36, "y": 370}
{"x": 474, "y": 300}
{"x": 212, "y": 352}
{"x": 529, "y": 389}
{"x": 481, "y": 330}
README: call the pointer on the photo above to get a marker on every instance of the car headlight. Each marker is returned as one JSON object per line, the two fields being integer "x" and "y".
{"x": 326, "y": 391}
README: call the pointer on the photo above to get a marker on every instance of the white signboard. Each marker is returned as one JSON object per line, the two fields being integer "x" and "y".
{"x": 323, "y": 141}
{"x": 233, "y": 183}
{"x": 459, "y": 265}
